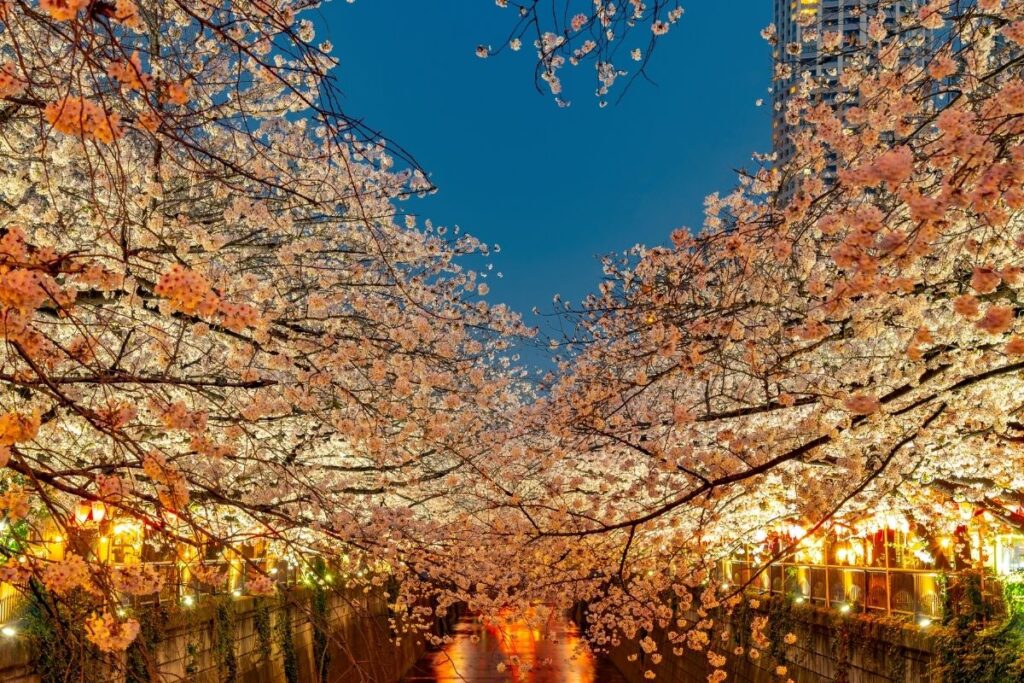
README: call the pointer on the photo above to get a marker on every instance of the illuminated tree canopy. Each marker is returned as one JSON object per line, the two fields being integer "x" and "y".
{"x": 218, "y": 321}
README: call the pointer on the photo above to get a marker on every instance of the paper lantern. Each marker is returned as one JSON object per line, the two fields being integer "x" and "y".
{"x": 82, "y": 511}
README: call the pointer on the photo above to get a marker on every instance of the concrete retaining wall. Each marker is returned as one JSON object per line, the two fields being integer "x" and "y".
{"x": 359, "y": 645}
{"x": 820, "y": 654}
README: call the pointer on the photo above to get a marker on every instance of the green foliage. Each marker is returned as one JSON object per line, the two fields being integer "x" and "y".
{"x": 873, "y": 635}
{"x": 843, "y": 642}
{"x": 14, "y": 539}
{"x": 152, "y": 619}
{"x": 893, "y": 657}
{"x": 261, "y": 624}
{"x": 1013, "y": 591}
{"x": 739, "y": 620}
{"x": 318, "y": 603}
{"x": 979, "y": 610}
{"x": 192, "y": 658}
{"x": 191, "y": 646}
{"x": 224, "y": 639}
{"x": 780, "y": 622}
{"x": 967, "y": 651}
{"x": 994, "y": 655}
{"x": 790, "y": 581}
{"x": 56, "y": 633}
{"x": 319, "y": 579}
{"x": 286, "y": 638}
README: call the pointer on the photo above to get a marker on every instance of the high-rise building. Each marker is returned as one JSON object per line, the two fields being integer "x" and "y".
{"x": 807, "y": 31}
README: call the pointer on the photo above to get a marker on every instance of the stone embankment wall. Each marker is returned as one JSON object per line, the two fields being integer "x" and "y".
{"x": 191, "y": 647}
{"x": 829, "y": 648}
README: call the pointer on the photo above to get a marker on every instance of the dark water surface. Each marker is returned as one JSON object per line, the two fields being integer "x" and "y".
{"x": 529, "y": 653}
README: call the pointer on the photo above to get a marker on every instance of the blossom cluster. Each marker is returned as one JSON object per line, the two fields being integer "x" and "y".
{"x": 130, "y": 73}
{"x": 110, "y": 634}
{"x": 11, "y": 83}
{"x": 83, "y": 118}
{"x": 191, "y": 292}
{"x": 138, "y": 579}
{"x": 64, "y": 576}
{"x": 63, "y": 10}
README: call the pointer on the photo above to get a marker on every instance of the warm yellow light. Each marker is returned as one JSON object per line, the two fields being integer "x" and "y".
{"x": 122, "y": 528}
{"x": 99, "y": 511}
{"x": 82, "y": 512}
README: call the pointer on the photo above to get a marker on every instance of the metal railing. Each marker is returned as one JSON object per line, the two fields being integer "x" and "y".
{"x": 179, "y": 585}
{"x": 911, "y": 592}
{"x": 11, "y": 605}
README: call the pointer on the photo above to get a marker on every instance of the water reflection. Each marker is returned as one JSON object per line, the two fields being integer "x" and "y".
{"x": 536, "y": 650}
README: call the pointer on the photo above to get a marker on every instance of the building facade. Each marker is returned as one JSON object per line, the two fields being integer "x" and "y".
{"x": 807, "y": 35}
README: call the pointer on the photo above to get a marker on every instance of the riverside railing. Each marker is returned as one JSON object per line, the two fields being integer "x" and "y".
{"x": 180, "y": 584}
{"x": 916, "y": 593}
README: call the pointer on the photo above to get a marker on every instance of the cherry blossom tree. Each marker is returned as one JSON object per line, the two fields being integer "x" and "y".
{"x": 841, "y": 340}
{"x": 216, "y": 320}
{"x": 617, "y": 39}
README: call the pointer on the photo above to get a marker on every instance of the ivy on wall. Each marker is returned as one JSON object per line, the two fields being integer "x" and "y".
{"x": 286, "y": 639}
{"x": 318, "y": 580}
{"x": 967, "y": 653}
{"x": 56, "y": 633}
{"x": 152, "y": 620}
{"x": 224, "y": 640}
{"x": 780, "y": 622}
{"x": 262, "y": 627}
{"x": 876, "y": 636}
{"x": 318, "y": 604}
{"x": 61, "y": 652}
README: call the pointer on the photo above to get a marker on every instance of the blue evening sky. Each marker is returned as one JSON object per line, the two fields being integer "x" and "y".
{"x": 555, "y": 187}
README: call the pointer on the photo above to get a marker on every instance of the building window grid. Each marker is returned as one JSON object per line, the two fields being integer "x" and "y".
{"x": 849, "y": 16}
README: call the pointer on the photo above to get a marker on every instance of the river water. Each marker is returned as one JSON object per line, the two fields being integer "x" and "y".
{"x": 513, "y": 651}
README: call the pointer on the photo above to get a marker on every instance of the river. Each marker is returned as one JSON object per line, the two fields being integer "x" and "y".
{"x": 513, "y": 651}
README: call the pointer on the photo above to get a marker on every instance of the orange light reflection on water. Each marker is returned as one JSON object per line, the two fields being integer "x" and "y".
{"x": 531, "y": 650}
